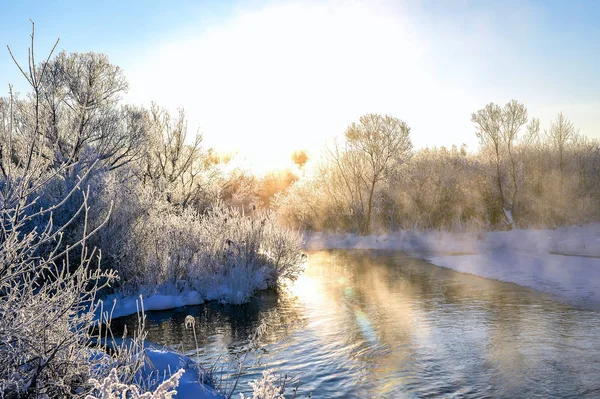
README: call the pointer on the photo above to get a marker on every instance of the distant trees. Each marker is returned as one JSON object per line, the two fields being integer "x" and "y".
{"x": 274, "y": 183}
{"x": 498, "y": 131}
{"x": 372, "y": 149}
{"x": 561, "y": 133}
{"x": 437, "y": 188}
{"x": 300, "y": 158}
{"x": 518, "y": 177}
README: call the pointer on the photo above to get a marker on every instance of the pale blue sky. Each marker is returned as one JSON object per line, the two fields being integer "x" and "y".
{"x": 288, "y": 74}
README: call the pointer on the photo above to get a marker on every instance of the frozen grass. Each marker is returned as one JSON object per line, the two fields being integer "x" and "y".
{"x": 112, "y": 388}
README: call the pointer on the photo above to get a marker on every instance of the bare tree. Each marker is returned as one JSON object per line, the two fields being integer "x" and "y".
{"x": 489, "y": 122}
{"x": 81, "y": 116}
{"x": 514, "y": 117}
{"x": 532, "y": 136}
{"x": 498, "y": 130}
{"x": 372, "y": 149}
{"x": 561, "y": 133}
{"x": 182, "y": 171}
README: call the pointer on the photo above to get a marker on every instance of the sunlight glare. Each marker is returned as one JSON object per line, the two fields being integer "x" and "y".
{"x": 247, "y": 82}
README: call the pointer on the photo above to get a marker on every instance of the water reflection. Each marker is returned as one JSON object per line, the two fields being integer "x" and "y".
{"x": 383, "y": 324}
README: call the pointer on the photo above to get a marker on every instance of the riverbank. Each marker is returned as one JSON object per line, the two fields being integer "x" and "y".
{"x": 234, "y": 289}
{"x": 564, "y": 262}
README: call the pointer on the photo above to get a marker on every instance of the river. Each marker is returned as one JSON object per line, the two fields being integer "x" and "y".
{"x": 381, "y": 324}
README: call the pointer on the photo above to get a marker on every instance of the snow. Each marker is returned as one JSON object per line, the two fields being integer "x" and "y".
{"x": 509, "y": 216}
{"x": 162, "y": 360}
{"x": 235, "y": 288}
{"x": 119, "y": 305}
{"x": 564, "y": 262}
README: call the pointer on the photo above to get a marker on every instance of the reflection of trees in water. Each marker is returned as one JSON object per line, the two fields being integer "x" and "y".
{"x": 225, "y": 327}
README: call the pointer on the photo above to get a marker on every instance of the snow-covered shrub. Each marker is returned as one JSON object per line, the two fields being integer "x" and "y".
{"x": 51, "y": 343}
{"x": 124, "y": 203}
{"x": 283, "y": 248}
{"x": 257, "y": 241}
{"x": 112, "y": 388}
{"x": 265, "y": 388}
{"x": 222, "y": 253}
{"x": 47, "y": 295}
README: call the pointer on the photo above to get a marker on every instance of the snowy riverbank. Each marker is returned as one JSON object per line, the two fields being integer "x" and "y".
{"x": 564, "y": 262}
{"x": 235, "y": 288}
{"x": 163, "y": 362}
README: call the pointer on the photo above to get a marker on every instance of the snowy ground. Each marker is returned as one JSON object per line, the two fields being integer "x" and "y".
{"x": 164, "y": 361}
{"x": 563, "y": 262}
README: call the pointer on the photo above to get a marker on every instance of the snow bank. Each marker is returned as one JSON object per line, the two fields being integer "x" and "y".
{"x": 575, "y": 280}
{"x": 164, "y": 362}
{"x": 235, "y": 288}
{"x": 160, "y": 363}
{"x": 564, "y": 262}
{"x": 120, "y": 305}
{"x": 438, "y": 241}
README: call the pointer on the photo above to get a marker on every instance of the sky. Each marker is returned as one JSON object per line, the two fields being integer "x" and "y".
{"x": 265, "y": 78}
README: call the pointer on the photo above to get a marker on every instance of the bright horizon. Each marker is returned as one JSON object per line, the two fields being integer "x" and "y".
{"x": 266, "y": 78}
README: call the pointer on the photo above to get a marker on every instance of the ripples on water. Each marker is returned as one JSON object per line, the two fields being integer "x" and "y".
{"x": 366, "y": 324}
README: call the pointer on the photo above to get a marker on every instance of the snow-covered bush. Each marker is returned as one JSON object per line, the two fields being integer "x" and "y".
{"x": 48, "y": 296}
{"x": 128, "y": 203}
{"x": 222, "y": 253}
{"x": 112, "y": 388}
{"x": 265, "y": 388}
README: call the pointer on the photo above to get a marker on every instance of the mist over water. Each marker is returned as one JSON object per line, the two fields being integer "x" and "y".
{"x": 363, "y": 324}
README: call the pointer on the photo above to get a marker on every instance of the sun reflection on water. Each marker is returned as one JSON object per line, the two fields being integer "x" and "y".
{"x": 362, "y": 324}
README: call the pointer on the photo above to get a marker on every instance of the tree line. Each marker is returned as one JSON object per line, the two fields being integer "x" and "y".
{"x": 520, "y": 177}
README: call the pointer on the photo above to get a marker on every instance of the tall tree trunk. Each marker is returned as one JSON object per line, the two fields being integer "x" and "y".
{"x": 499, "y": 182}
{"x": 367, "y": 228}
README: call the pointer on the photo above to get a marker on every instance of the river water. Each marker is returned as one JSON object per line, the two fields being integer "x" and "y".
{"x": 376, "y": 324}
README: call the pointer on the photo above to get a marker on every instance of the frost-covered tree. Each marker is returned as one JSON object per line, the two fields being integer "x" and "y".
{"x": 48, "y": 347}
{"x": 180, "y": 171}
{"x": 541, "y": 180}
{"x": 80, "y": 115}
{"x": 561, "y": 133}
{"x": 372, "y": 149}
{"x": 273, "y": 183}
{"x": 300, "y": 158}
{"x": 498, "y": 130}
